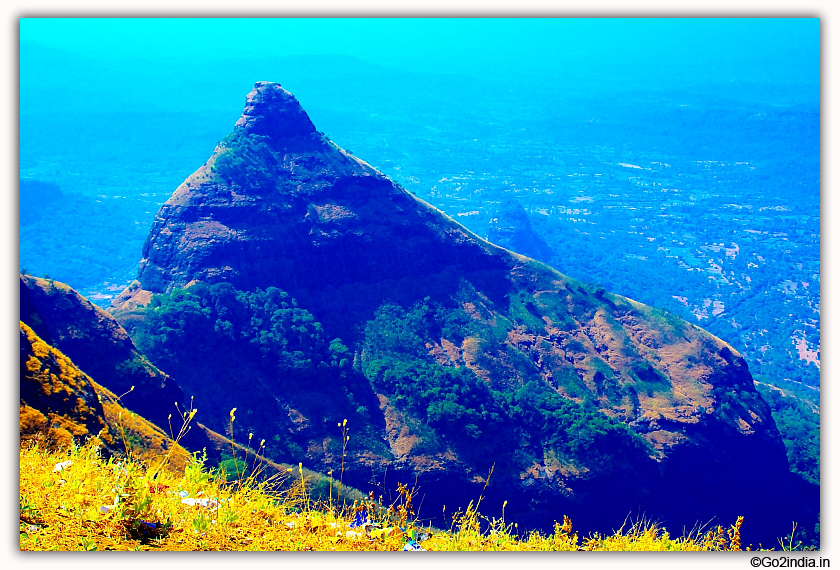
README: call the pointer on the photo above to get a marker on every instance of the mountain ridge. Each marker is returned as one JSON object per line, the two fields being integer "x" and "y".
{"x": 414, "y": 294}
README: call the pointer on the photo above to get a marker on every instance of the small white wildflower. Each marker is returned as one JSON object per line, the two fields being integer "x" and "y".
{"x": 62, "y": 466}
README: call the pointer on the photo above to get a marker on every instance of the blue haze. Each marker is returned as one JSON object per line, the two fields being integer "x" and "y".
{"x": 117, "y": 112}
{"x": 636, "y": 51}
{"x": 155, "y": 95}
{"x": 134, "y": 58}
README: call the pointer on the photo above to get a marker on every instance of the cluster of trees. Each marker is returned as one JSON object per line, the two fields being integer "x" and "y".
{"x": 267, "y": 326}
{"x": 264, "y": 354}
{"x": 576, "y": 431}
{"x": 800, "y": 428}
{"x": 248, "y": 161}
{"x": 452, "y": 400}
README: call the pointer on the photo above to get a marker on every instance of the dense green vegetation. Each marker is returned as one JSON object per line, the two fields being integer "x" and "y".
{"x": 261, "y": 343}
{"x": 248, "y": 161}
{"x": 465, "y": 411}
{"x": 799, "y": 424}
{"x": 574, "y": 431}
{"x": 265, "y": 355}
{"x": 263, "y": 325}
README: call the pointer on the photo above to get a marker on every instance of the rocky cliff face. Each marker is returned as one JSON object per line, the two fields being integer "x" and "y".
{"x": 279, "y": 205}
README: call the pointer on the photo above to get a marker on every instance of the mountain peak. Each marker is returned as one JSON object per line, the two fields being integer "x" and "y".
{"x": 272, "y": 111}
{"x": 427, "y": 310}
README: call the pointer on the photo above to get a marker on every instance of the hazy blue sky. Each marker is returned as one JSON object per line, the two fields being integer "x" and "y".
{"x": 656, "y": 50}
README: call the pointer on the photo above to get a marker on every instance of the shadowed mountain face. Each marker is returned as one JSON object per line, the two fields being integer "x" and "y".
{"x": 459, "y": 355}
{"x": 98, "y": 345}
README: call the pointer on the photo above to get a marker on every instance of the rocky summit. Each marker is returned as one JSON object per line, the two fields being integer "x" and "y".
{"x": 304, "y": 287}
{"x": 278, "y": 204}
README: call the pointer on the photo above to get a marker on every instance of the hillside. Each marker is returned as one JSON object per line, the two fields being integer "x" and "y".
{"x": 61, "y": 406}
{"x": 292, "y": 280}
{"x": 99, "y": 346}
{"x": 671, "y": 197}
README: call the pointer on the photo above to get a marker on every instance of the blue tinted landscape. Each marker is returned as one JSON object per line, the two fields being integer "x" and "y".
{"x": 674, "y": 163}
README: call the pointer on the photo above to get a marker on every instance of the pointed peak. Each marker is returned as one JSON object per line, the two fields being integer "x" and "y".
{"x": 272, "y": 111}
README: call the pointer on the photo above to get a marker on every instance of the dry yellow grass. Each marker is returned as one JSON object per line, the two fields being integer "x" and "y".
{"x": 73, "y": 499}
{"x": 74, "y": 408}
